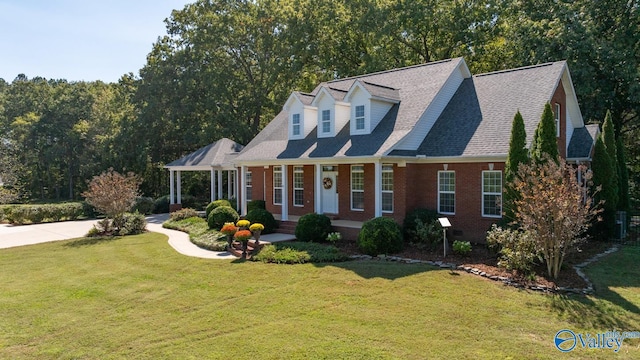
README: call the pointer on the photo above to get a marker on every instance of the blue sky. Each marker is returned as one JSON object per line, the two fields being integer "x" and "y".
{"x": 79, "y": 39}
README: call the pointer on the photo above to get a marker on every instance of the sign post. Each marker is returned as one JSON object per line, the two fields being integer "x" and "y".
{"x": 444, "y": 222}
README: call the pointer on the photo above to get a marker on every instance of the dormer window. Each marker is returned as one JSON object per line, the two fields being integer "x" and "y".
{"x": 295, "y": 123}
{"x": 359, "y": 117}
{"x": 326, "y": 121}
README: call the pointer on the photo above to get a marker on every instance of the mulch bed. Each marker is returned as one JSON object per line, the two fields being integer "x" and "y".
{"x": 484, "y": 260}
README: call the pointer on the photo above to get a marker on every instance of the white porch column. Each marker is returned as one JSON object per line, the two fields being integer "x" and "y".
{"x": 171, "y": 187}
{"x": 235, "y": 186}
{"x": 378, "y": 189}
{"x": 243, "y": 190}
{"x": 213, "y": 184}
{"x": 317, "y": 189}
{"x": 219, "y": 184}
{"x": 285, "y": 194}
{"x": 229, "y": 193}
{"x": 179, "y": 189}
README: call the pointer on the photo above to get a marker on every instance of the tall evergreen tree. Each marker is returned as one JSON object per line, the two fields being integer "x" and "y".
{"x": 518, "y": 154}
{"x": 602, "y": 168}
{"x": 544, "y": 140}
{"x": 609, "y": 138}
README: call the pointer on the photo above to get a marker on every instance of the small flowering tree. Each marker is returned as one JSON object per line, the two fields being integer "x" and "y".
{"x": 553, "y": 208}
{"x": 112, "y": 194}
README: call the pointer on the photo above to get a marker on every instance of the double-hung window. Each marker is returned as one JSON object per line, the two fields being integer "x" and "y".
{"x": 248, "y": 183}
{"x": 359, "y": 117}
{"x": 298, "y": 186}
{"x": 387, "y": 188}
{"x": 557, "y": 118}
{"x": 326, "y": 121}
{"x": 357, "y": 187}
{"x": 492, "y": 193}
{"x": 277, "y": 185}
{"x": 447, "y": 192}
{"x": 295, "y": 123}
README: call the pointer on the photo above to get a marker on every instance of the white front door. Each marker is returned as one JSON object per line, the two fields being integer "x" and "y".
{"x": 330, "y": 192}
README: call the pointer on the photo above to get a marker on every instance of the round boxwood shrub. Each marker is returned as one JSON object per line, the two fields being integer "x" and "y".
{"x": 215, "y": 204}
{"x": 221, "y": 215}
{"x": 256, "y": 204}
{"x": 143, "y": 205}
{"x": 263, "y": 217}
{"x": 410, "y": 224}
{"x": 313, "y": 227}
{"x": 161, "y": 205}
{"x": 380, "y": 235}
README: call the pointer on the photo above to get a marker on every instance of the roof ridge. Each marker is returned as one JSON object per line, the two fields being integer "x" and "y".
{"x": 392, "y": 70}
{"x": 378, "y": 85}
{"x": 518, "y": 69}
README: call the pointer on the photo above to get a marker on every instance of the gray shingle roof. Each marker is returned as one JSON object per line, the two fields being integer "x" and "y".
{"x": 218, "y": 154}
{"x": 382, "y": 91}
{"x": 416, "y": 87}
{"x": 477, "y": 121}
{"x": 582, "y": 142}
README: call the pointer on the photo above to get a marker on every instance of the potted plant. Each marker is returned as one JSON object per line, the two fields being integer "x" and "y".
{"x": 243, "y": 236}
{"x": 256, "y": 230}
{"x": 229, "y": 229}
{"x": 243, "y": 224}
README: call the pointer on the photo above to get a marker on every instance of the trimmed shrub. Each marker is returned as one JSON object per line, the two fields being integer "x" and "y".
{"x": 34, "y": 214}
{"x": 313, "y": 227}
{"x": 461, "y": 247}
{"x": 183, "y": 214}
{"x": 263, "y": 217}
{"x": 299, "y": 252}
{"x": 132, "y": 224}
{"x": 413, "y": 233}
{"x": 221, "y": 215}
{"x": 215, "y": 204}
{"x": 143, "y": 205}
{"x": 256, "y": 204}
{"x": 89, "y": 211}
{"x": 161, "y": 205}
{"x": 516, "y": 249}
{"x": 380, "y": 235}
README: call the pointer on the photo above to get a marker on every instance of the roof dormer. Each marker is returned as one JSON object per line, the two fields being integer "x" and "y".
{"x": 332, "y": 113}
{"x": 301, "y": 115}
{"x": 369, "y": 104}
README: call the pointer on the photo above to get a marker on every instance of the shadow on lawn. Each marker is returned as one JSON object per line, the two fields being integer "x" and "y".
{"x": 370, "y": 269}
{"x": 584, "y": 312}
{"x": 87, "y": 241}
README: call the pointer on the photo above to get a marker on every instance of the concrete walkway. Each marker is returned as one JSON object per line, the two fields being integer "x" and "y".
{"x": 12, "y": 236}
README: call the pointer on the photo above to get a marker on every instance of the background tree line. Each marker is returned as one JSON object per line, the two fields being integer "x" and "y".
{"x": 225, "y": 67}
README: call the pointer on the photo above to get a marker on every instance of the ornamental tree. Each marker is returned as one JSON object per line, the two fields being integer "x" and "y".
{"x": 518, "y": 154}
{"x": 553, "y": 208}
{"x": 112, "y": 194}
{"x": 544, "y": 139}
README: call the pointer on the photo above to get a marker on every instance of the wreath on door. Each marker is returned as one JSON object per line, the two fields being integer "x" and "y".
{"x": 327, "y": 183}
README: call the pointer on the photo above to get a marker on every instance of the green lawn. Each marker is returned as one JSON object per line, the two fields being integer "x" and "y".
{"x": 135, "y": 297}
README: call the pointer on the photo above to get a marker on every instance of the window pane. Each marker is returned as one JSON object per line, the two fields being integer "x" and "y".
{"x": 360, "y": 111}
{"x": 492, "y": 193}
{"x": 447, "y": 203}
{"x": 360, "y": 124}
{"x": 357, "y": 200}
{"x": 277, "y": 196}
{"x": 298, "y": 197}
{"x": 387, "y": 201}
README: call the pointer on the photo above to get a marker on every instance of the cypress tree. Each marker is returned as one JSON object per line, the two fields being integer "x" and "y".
{"x": 608, "y": 136}
{"x": 602, "y": 168}
{"x": 544, "y": 140}
{"x": 518, "y": 154}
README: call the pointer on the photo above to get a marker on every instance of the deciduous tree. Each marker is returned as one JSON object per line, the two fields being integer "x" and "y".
{"x": 112, "y": 194}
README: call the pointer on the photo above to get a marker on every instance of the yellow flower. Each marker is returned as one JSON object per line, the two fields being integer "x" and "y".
{"x": 256, "y": 227}
{"x": 243, "y": 223}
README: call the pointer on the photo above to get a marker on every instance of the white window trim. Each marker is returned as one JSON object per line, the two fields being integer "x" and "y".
{"x": 248, "y": 183}
{"x": 499, "y": 194}
{"x": 277, "y": 171}
{"x": 356, "y": 190}
{"x": 363, "y": 118}
{"x": 448, "y": 192}
{"x": 323, "y": 121}
{"x": 294, "y": 125}
{"x": 557, "y": 119}
{"x": 388, "y": 170}
{"x": 298, "y": 170}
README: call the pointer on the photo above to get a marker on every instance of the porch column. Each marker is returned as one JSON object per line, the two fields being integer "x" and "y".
{"x": 171, "y": 187}
{"x": 317, "y": 189}
{"x": 243, "y": 190}
{"x": 235, "y": 186}
{"x": 213, "y": 184}
{"x": 219, "y": 184}
{"x": 179, "y": 189}
{"x": 285, "y": 194}
{"x": 378, "y": 189}
{"x": 229, "y": 193}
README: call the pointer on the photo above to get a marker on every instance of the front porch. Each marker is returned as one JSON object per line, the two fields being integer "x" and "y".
{"x": 347, "y": 228}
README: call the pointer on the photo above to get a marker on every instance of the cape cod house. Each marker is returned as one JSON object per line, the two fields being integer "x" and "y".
{"x": 428, "y": 136}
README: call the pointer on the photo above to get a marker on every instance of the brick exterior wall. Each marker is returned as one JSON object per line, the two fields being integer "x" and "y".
{"x": 559, "y": 97}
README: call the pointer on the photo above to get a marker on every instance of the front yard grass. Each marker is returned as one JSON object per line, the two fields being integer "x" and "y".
{"x": 135, "y": 297}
